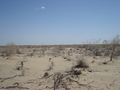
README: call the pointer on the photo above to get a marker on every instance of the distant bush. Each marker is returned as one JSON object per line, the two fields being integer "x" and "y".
{"x": 117, "y": 52}
{"x": 56, "y": 51}
{"x": 11, "y": 49}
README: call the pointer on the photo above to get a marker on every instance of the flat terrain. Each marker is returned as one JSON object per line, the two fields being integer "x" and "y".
{"x": 41, "y": 72}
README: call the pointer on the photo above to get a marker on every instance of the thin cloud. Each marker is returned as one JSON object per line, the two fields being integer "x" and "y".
{"x": 42, "y": 7}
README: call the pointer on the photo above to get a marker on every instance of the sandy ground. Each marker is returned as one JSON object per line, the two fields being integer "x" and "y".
{"x": 98, "y": 76}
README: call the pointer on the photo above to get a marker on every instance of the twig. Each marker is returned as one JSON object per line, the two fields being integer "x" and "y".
{"x": 8, "y": 78}
{"x": 84, "y": 85}
{"x": 3, "y": 79}
{"x": 48, "y": 76}
{"x": 57, "y": 79}
{"x": 114, "y": 81}
{"x": 10, "y": 87}
{"x": 90, "y": 82}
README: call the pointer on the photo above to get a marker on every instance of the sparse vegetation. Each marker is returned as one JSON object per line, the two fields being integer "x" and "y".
{"x": 115, "y": 42}
{"x": 41, "y": 70}
{"x": 11, "y": 49}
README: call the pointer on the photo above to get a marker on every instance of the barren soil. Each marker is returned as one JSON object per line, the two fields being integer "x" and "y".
{"x": 98, "y": 76}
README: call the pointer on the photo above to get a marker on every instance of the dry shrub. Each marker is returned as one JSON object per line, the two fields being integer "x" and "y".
{"x": 106, "y": 51}
{"x": 82, "y": 63}
{"x": 11, "y": 49}
{"x": 18, "y": 51}
{"x": 96, "y": 52}
{"x": 56, "y": 51}
{"x": 59, "y": 82}
{"x": 43, "y": 50}
{"x": 117, "y": 52}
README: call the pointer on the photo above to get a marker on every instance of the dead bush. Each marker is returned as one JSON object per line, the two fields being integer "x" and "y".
{"x": 59, "y": 82}
{"x": 117, "y": 52}
{"x": 18, "y": 51}
{"x": 96, "y": 52}
{"x": 11, "y": 49}
{"x": 56, "y": 51}
{"x": 43, "y": 50}
{"x": 82, "y": 63}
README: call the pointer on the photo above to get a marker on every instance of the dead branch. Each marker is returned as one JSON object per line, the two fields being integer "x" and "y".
{"x": 11, "y": 87}
{"x": 84, "y": 85}
{"x": 57, "y": 79}
{"x": 114, "y": 81}
{"x": 3, "y": 79}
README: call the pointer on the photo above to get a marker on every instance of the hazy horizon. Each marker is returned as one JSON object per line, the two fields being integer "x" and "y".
{"x": 54, "y": 22}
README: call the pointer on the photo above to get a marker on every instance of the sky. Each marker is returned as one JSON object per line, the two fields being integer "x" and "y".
{"x": 51, "y": 22}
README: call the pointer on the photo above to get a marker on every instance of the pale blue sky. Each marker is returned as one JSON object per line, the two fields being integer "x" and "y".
{"x": 38, "y": 22}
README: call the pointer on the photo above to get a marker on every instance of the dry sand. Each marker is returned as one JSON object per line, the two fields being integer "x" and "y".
{"x": 98, "y": 76}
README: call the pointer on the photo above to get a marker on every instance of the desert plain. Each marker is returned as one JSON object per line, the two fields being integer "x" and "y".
{"x": 59, "y": 67}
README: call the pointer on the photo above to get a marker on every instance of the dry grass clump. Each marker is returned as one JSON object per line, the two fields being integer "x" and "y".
{"x": 82, "y": 63}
